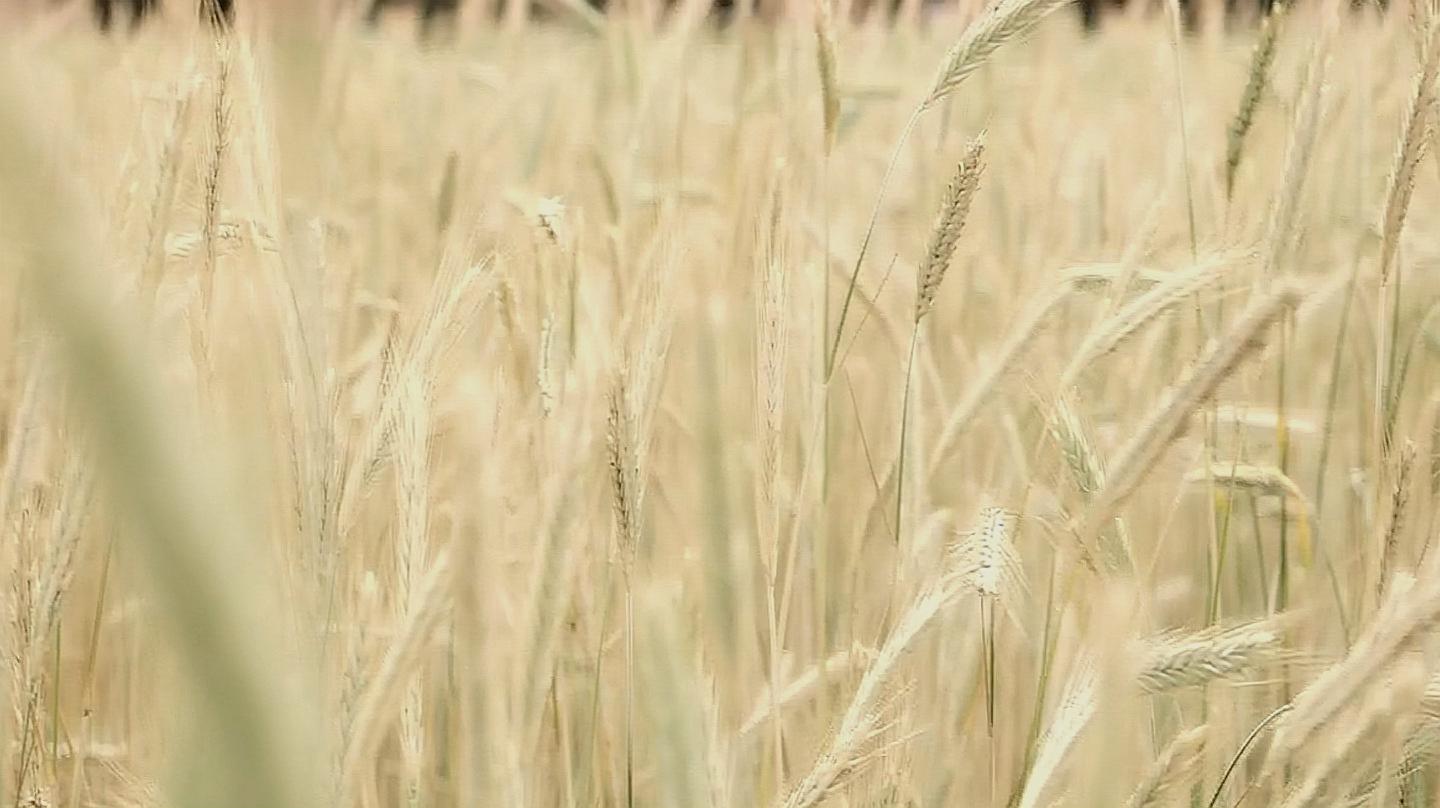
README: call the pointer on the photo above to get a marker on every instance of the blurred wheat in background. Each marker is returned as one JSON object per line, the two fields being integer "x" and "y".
{"x": 630, "y": 409}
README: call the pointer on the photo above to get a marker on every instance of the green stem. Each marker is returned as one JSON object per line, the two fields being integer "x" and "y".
{"x": 1282, "y": 588}
{"x": 629, "y": 696}
{"x": 1332, "y": 394}
{"x": 900, "y": 469}
{"x": 904, "y": 432}
{"x": 1212, "y": 608}
{"x": 1042, "y": 682}
{"x": 1240, "y": 753}
{"x": 1174, "y": 8}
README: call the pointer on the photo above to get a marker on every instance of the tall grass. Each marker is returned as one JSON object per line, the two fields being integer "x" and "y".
{"x": 652, "y": 413}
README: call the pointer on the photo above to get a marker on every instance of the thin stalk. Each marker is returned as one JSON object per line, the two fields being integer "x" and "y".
{"x": 987, "y": 637}
{"x": 1282, "y": 439}
{"x": 822, "y": 554}
{"x": 1042, "y": 682}
{"x": 1174, "y": 8}
{"x": 1262, "y": 572}
{"x": 55, "y": 700}
{"x": 1380, "y": 438}
{"x": 987, "y": 640}
{"x": 592, "y": 741}
{"x": 1331, "y": 396}
{"x": 1240, "y": 753}
{"x": 629, "y": 696}
{"x": 865, "y": 242}
{"x": 776, "y": 737}
{"x": 1392, "y": 388}
{"x": 900, "y": 462}
{"x": 1212, "y": 608}
{"x": 87, "y": 678}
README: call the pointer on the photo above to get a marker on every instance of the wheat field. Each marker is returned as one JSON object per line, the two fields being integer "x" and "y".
{"x": 617, "y": 412}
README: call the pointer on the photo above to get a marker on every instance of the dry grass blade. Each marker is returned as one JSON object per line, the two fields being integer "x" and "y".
{"x": 979, "y": 390}
{"x": 1176, "y": 288}
{"x": 1309, "y": 110}
{"x": 802, "y": 686}
{"x": 1177, "y": 768}
{"x": 1331, "y": 776}
{"x": 194, "y": 546}
{"x": 385, "y": 687}
{"x": 1076, "y": 708}
{"x": 672, "y": 706}
{"x": 1265, "y": 420}
{"x": 1267, "y": 481}
{"x": 862, "y": 720}
{"x": 1410, "y": 610}
{"x": 1169, "y": 418}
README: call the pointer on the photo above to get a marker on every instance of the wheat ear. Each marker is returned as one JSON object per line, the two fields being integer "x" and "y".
{"x": 1005, "y": 20}
{"x": 825, "y": 63}
{"x": 1174, "y": 661}
{"x": 1261, "y": 59}
{"x": 863, "y": 719}
{"x": 1173, "y": 773}
{"x": 949, "y": 222}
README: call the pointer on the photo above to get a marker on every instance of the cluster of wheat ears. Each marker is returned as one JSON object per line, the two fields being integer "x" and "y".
{"x": 607, "y": 413}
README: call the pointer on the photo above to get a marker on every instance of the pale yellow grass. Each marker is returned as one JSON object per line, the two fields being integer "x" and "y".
{"x": 469, "y": 425}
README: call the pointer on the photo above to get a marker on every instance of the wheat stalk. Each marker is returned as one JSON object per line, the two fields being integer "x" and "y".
{"x": 1005, "y": 20}
{"x": 1076, "y": 708}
